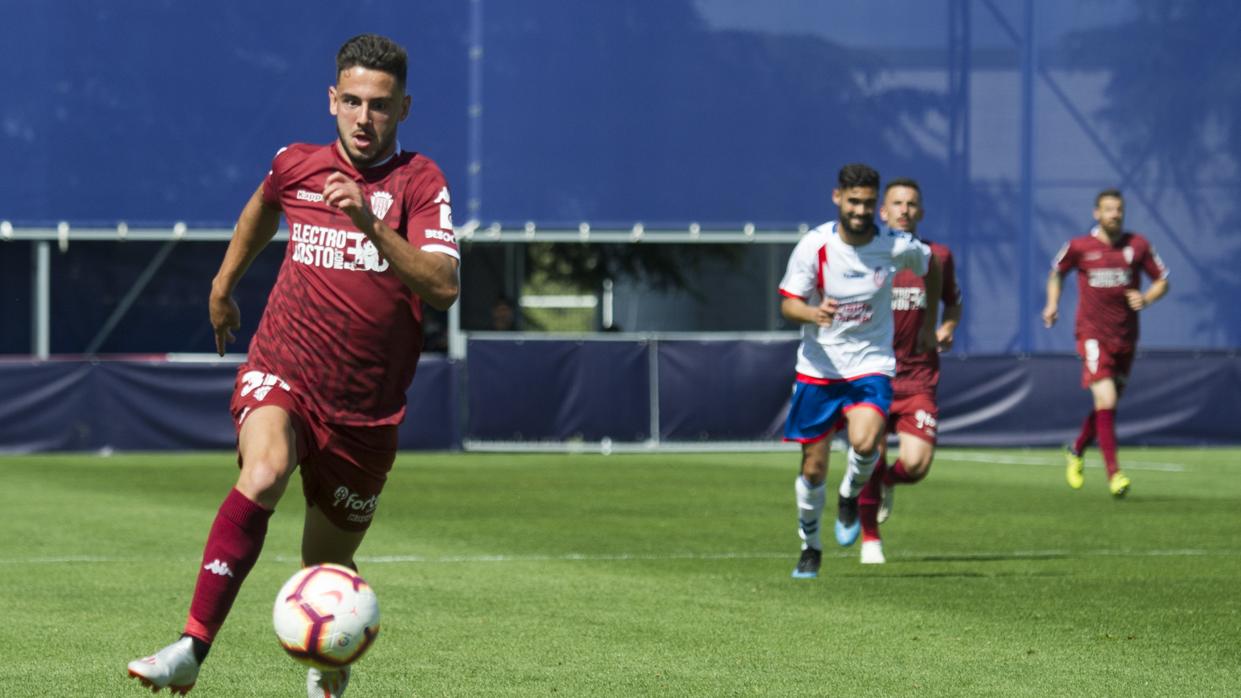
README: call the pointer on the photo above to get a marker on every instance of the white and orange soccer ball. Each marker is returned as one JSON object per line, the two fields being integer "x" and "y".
{"x": 326, "y": 616}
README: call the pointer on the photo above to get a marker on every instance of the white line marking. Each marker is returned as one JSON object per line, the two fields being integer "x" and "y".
{"x": 928, "y": 556}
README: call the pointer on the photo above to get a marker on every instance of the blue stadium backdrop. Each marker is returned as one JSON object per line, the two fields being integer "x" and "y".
{"x": 1012, "y": 113}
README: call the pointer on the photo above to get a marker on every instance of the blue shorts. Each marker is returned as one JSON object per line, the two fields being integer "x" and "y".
{"x": 817, "y": 409}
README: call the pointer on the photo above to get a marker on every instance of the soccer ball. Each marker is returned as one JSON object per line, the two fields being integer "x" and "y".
{"x": 326, "y": 616}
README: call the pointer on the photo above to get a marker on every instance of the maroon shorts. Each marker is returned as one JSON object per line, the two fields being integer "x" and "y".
{"x": 343, "y": 467}
{"x": 1101, "y": 360}
{"x": 915, "y": 414}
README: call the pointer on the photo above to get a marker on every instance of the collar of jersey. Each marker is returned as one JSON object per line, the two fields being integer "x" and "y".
{"x": 1097, "y": 233}
{"x": 388, "y": 159}
{"x": 879, "y": 228}
{"x": 376, "y": 166}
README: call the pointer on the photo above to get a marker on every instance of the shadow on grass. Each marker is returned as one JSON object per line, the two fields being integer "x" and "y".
{"x": 1135, "y": 500}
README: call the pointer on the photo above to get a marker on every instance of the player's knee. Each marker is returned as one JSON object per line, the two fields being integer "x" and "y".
{"x": 1104, "y": 400}
{"x": 867, "y": 445}
{"x": 814, "y": 469}
{"x": 814, "y": 472}
{"x": 264, "y": 477}
{"x": 918, "y": 467}
{"x": 916, "y": 455}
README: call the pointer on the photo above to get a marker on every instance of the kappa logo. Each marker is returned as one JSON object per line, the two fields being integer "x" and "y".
{"x": 303, "y": 195}
{"x": 218, "y": 566}
{"x": 445, "y": 202}
{"x": 381, "y": 201}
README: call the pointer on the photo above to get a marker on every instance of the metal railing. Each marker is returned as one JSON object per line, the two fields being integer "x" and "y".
{"x": 63, "y": 234}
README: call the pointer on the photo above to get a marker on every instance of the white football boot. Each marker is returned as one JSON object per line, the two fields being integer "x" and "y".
{"x": 173, "y": 667}
{"x": 872, "y": 552}
{"x": 326, "y": 684}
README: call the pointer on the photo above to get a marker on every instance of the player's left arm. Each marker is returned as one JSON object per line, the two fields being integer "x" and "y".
{"x": 431, "y": 275}
{"x": 952, "y": 299}
{"x": 1139, "y": 300}
{"x": 1153, "y": 266}
{"x": 927, "y": 337}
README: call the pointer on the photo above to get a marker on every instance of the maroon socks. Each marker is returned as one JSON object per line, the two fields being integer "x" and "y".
{"x": 232, "y": 548}
{"x": 1087, "y": 434}
{"x": 1105, "y": 424}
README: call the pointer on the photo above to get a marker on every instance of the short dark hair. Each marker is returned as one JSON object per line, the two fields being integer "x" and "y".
{"x": 1108, "y": 194}
{"x": 855, "y": 174}
{"x": 375, "y": 52}
{"x": 902, "y": 182}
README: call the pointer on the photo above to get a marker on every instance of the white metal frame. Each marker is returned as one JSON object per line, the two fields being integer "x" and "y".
{"x": 470, "y": 233}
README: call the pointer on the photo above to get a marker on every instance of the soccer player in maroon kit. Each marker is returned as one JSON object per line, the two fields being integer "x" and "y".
{"x": 323, "y": 387}
{"x": 914, "y": 413}
{"x": 1109, "y": 262}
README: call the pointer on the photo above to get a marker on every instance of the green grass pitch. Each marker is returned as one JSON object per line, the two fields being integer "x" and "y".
{"x": 654, "y": 575}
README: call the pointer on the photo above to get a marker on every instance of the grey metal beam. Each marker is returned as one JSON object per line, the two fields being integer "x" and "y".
{"x": 131, "y": 296}
{"x": 41, "y": 312}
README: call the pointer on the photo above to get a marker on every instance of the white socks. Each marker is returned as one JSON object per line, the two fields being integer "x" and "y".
{"x": 810, "y": 501}
{"x": 858, "y": 473}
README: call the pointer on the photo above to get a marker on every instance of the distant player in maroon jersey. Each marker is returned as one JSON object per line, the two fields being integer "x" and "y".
{"x": 323, "y": 387}
{"x": 1109, "y": 262}
{"x": 914, "y": 413}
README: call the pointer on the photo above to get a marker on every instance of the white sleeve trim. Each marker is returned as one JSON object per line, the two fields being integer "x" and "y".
{"x": 442, "y": 249}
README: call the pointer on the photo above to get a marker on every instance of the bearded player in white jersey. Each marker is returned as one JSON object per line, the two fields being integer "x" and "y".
{"x": 838, "y": 286}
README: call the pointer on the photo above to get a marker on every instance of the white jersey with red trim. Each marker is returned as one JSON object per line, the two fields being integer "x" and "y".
{"x": 859, "y": 340}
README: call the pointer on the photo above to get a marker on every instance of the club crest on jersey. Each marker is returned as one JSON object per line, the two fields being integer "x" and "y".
{"x": 881, "y": 275}
{"x": 381, "y": 201}
{"x": 1128, "y": 251}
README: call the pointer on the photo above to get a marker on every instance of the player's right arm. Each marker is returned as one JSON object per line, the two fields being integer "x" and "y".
{"x": 256, "y": 227}
{"x": 1064, "y": 261}
{"x": 1051, "y": 310}
{"x": 803, "y": 279}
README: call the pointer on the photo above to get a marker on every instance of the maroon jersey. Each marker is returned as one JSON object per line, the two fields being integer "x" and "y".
{"x": 1104, "y": 272}
{"x": 919, "y": 373}
{"x": 340, "y": 328}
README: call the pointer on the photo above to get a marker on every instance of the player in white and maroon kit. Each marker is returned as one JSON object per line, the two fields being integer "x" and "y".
{"x": 323, "y": 387}
{"x": 914, "y": 415}
{"x": 839, "y": 286}
{"x": 1109, "y": 263}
